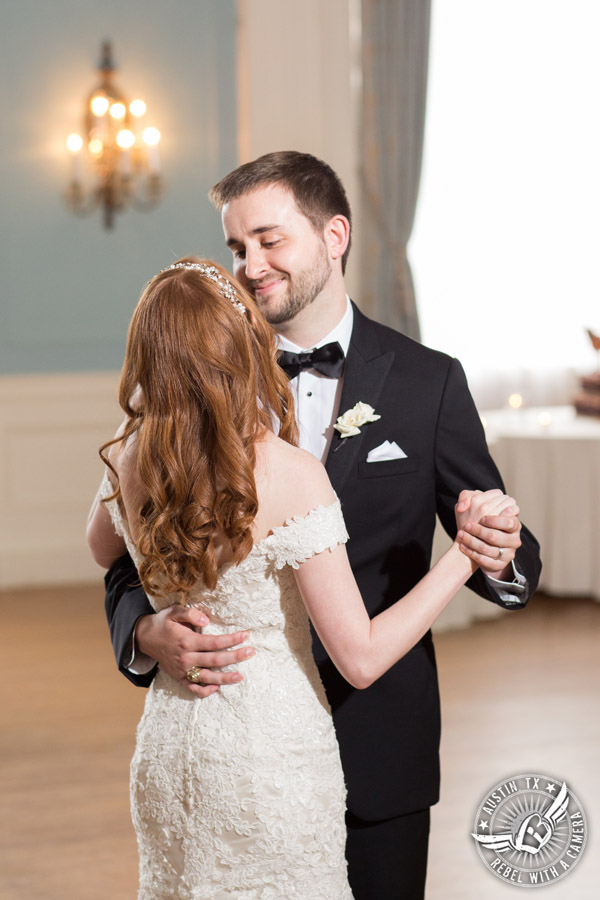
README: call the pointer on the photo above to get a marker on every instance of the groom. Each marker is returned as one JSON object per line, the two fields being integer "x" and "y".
{"x": 287, "y": 222}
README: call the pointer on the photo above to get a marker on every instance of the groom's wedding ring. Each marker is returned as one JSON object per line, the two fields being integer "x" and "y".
{"x": 500, "y": 555}
{"x": 194, "y": 674}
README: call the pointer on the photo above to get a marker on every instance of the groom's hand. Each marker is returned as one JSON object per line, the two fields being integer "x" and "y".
{"x": 170, "y": 638}
{"x": 485, "y": 529}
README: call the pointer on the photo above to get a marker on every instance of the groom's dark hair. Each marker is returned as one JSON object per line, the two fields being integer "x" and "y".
{"x": 318, "y": 191}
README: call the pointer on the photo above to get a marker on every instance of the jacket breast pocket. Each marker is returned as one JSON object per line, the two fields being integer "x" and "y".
{"x": 387, "y": 468}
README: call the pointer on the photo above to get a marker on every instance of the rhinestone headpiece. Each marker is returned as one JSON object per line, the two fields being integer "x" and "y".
{"x": 226, "y": 289}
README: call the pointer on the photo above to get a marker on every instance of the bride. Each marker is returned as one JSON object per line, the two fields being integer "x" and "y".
{"x": 240, "y": 794}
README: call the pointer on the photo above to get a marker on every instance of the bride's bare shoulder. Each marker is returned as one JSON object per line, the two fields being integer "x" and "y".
{"x": 292, "y": 477}
{"x": 123, "y": 457}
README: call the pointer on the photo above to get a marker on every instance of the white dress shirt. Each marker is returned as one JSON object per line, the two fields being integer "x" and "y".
{"x": 317, "y": 397}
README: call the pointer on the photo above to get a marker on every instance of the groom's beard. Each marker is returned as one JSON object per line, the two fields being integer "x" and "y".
{"x": 302, "y": 289}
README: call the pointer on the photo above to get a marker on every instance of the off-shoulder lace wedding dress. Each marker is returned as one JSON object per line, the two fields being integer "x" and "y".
{"x": 240, "y": 795}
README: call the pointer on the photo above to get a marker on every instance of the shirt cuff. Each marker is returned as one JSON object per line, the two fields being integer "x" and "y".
{"x": 139, "y": 663}
{"x": 515, "y": 591}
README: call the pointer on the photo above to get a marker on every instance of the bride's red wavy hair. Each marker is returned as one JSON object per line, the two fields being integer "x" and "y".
{"x": 200, "y": 384}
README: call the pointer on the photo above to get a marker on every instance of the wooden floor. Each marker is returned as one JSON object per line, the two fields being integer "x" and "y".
{"x": 519, "y": 694}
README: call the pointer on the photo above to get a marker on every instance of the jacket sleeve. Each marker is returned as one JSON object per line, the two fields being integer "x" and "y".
{"x": 125, "y": 602}
{"x": 463, "y": 462}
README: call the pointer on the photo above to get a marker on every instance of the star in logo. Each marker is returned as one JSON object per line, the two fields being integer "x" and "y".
{"x": 483, "y": 825}
{"x": 550, "y": 787}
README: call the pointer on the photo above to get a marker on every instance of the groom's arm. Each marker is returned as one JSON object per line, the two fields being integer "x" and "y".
{"x": 463, "y": 462}
{"x": 169, "y": 639}
{"x": 125, "y": 602}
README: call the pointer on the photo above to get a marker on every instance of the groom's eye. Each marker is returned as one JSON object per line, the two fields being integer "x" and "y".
{"x": 238, "y": 254}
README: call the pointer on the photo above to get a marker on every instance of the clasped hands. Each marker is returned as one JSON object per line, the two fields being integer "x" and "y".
{"x": 487, "y": 522}
{"x": 489, "y": 531}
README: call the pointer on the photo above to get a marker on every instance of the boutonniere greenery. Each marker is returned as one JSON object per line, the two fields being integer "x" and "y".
{"x": 351, "y": 421}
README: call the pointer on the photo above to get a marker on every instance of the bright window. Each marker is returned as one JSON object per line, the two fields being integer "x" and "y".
{"x": 506, "y": 245}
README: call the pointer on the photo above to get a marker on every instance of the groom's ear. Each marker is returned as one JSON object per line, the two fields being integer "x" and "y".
{"x": 336, "y": 236}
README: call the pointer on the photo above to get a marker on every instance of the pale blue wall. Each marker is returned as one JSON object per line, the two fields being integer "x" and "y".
{"x": 67, "y": 286}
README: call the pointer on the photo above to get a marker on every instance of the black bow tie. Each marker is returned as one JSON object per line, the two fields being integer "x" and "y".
{"x": 328, "y": 360}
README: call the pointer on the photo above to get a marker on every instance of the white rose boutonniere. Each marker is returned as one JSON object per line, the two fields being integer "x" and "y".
{"x": 350, "y": 422}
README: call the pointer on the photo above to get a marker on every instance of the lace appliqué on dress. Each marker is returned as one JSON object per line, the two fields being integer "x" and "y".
{"x": 304, "y": 536}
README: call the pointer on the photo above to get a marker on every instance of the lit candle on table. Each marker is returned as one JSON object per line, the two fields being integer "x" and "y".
{"x": 544, "y": 418}
{"x": 515, "y": 401}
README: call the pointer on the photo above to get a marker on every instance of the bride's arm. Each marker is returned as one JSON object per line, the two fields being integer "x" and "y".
{"x": 105, "y": 544}
{"x": 361, "y": 648}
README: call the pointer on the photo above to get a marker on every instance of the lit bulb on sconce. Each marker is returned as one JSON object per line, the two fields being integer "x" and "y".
{"x": 137, "y": 108}
{"x": 74, "y": 143}
{"x": 151, "y": 138}
{"x": 99, "y": 105}
{"x": 125, "y": 139}
{"x": 118, "y": 110}
{"x": 96, "y": 147}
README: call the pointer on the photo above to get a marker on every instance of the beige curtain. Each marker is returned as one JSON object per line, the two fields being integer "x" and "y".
{"x": 395, "y": 48}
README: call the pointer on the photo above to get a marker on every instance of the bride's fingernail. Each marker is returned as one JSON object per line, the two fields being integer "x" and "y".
{"x": 248, "y": 651}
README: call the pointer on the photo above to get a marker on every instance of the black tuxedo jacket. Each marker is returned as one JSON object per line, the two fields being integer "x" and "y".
{"x": 388, "y": 734}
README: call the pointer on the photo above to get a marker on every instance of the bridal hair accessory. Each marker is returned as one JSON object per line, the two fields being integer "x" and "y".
{"x": 194, "y": 674}
{"x": 226, "y": 289}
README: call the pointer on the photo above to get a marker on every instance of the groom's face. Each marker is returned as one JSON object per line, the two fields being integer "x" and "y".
{"x": 277, "y": 253}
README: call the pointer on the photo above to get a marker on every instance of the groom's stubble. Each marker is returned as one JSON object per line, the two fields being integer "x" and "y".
{"x": 303, "y": 288}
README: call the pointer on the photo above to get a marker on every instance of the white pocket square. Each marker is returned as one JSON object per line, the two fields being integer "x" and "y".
{"x": 386, "y": 451}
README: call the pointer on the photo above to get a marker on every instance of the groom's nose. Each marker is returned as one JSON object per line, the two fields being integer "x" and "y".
{"x": 256, "y": 263}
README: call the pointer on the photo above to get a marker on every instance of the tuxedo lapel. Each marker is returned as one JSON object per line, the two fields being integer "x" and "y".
{"x": 364, "y": 378}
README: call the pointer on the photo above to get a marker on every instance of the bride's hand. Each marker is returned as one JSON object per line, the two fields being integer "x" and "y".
{"x": 488, "y": 529}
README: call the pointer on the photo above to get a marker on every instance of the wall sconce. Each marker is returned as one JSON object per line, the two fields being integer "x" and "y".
{"x": 117, "y": 149}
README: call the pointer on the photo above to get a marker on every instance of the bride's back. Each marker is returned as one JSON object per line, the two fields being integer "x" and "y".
{"x": 289, "y": 482}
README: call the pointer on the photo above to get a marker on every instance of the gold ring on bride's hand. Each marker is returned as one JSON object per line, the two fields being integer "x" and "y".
{"x": 194, "y": 674}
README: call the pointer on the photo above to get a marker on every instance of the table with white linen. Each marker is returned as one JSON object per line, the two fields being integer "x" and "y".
{"x": 550, "y": 462}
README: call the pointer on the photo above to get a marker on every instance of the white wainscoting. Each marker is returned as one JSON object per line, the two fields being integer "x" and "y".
{"x": 50, "y": 429}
